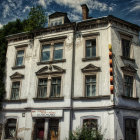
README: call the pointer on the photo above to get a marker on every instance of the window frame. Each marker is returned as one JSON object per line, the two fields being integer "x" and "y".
{"x": 90, "y": 117}
{"x": 15, "y": 80}
{"x": 49, "y": 79}
{"x": 52, "y": 43}
{"x": 97, "y": 45}
{"x": 134, "y": 95}
{"x": 128, "y": 38}
{"x": 84, "y": 83}
{"x": 20, "y": 48}
{"x": 56, "y": 19}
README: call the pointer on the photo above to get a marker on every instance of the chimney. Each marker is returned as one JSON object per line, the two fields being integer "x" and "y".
{"x": 84, "y": 11}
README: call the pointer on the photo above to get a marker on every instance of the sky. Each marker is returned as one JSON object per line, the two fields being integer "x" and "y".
{"x": 128, "y": 10}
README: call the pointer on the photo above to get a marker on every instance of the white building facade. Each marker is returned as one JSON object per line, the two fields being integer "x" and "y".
{"x": 62, "y": 76}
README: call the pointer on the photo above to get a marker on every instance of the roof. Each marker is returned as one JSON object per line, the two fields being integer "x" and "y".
{"x": 57, "y": 14}
{"x": 82, "y": 25}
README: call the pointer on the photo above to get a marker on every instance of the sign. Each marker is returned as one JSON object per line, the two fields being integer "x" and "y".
{"x": 47, "y": 113}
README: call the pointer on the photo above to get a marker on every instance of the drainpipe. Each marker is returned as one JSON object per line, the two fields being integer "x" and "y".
{"x": 72, "y": 79}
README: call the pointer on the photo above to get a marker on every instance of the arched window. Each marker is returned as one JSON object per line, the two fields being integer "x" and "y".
{"x": 10, "y": 128}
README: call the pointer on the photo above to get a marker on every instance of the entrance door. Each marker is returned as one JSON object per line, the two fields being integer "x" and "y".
{"x": 39, "y": 129}
{"x": 130, "y": 129}
{"x": 53, "y": 129}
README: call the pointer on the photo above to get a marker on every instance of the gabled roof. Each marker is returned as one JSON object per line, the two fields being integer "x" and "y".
{"x": 57, "y": 14}
{"x": 90, "y": 68}
{"x": 51, "y": 69}
{"x": 17, "y": 75}
{"x": 129, "y": 68}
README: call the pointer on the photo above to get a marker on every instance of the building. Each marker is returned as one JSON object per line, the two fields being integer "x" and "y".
{"x": 63, "y": 76}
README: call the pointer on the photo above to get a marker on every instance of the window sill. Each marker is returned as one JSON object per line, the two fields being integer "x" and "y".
{"x": 18, "y": 67}
{"x": 130, "y": 98}
{"x": 48, "y": 98}
{"x": 126, "y": 58}
{"x": 51, "y": 62}
{"x": 91, "y": 98}
{"x": 91, "y": 58}
{"x": 15, "y": 101}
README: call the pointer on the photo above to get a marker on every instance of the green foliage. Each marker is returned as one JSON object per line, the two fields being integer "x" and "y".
{"x": 86, "y": 133}
{"x": 36, "y": 19}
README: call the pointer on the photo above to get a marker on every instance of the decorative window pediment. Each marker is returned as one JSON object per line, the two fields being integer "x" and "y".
{"x": 52, "y": 69}
{"x": 128, "y": 68}
{"x": 17, "y": 75}
{"x": 91, "y": 68}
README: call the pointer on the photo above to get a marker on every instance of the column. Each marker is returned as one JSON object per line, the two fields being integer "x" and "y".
{"x": 46, "y": 128}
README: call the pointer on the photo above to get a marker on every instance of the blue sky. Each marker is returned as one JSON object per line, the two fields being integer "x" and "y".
{"x": 128, "y": 10}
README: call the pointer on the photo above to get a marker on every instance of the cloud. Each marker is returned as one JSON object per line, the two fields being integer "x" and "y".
{"x": 74, "y": 17}
{"x": 135, "y": 8}
{"x": 27, "y": 8}
{"x": 42, "y": 3}
{"x": 6, "y": 10}
{"x": 92, "y": 4}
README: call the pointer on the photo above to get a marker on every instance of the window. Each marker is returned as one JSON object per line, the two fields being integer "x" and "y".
{"x": 126, "y": 48}
{"x": 10, "y": 129}
{"x": 58, "y": 51}
{"x": 53, "y": 51}
{"x": 128, "y": 85}
{"x": 20, "y": 58}
{"x": 91, "y": 48}
{"x": 42, "y": 88}
{"x": 130, "y": 129}
{"x": 53, "y": 129}
{"x": 90, "y": 123}
{"x": 15, "y": 90}
{"x": 90, "y": 85}
{"x": 45, "y": 54}
{"x": 49, "y": 87}
{"x": 56, "y": 22}
{"x": 55, "y": 87}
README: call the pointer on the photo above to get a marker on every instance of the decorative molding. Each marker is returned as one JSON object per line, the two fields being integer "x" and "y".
{"x": 48, "y": 98}
{"x": 128, "y": 59}
{"x": 129, "y": 68}
{"x": 51, "y": 62}
{"x": 15, "y": 101}
{"x": 21, "y": 46}
{"x": 52, "y": 39}
{"x": 91, "y": 59}
{"x": 125, "y": 34}
{"x": 91, "y": 68}
{"x": 92, "y": 98}
{"x": 18, "y": 67}
{"x": 90, "y": 34}
{"x": 17, "y": 75}
{"x": 51, "y": 69}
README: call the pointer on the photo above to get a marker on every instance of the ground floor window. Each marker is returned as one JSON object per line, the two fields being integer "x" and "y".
{"x": 130, "y": 129}
{"x": 91, "y": 123}
{"x": 10, "y": 128}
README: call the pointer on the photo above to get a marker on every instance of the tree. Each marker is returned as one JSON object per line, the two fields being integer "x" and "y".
{"x": 36, "y": 19}
{"x": 86, "y": 133}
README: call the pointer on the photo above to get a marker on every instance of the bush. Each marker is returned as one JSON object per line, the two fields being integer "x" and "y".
{"x": 86, "y": 133}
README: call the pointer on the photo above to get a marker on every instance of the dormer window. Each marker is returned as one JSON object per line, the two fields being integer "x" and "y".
{"x": 58, "y": 18}
{"x": 55, "y": 22}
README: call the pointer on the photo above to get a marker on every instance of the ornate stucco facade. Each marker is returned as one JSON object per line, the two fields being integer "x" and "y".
{"x": 75, "y": 103}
